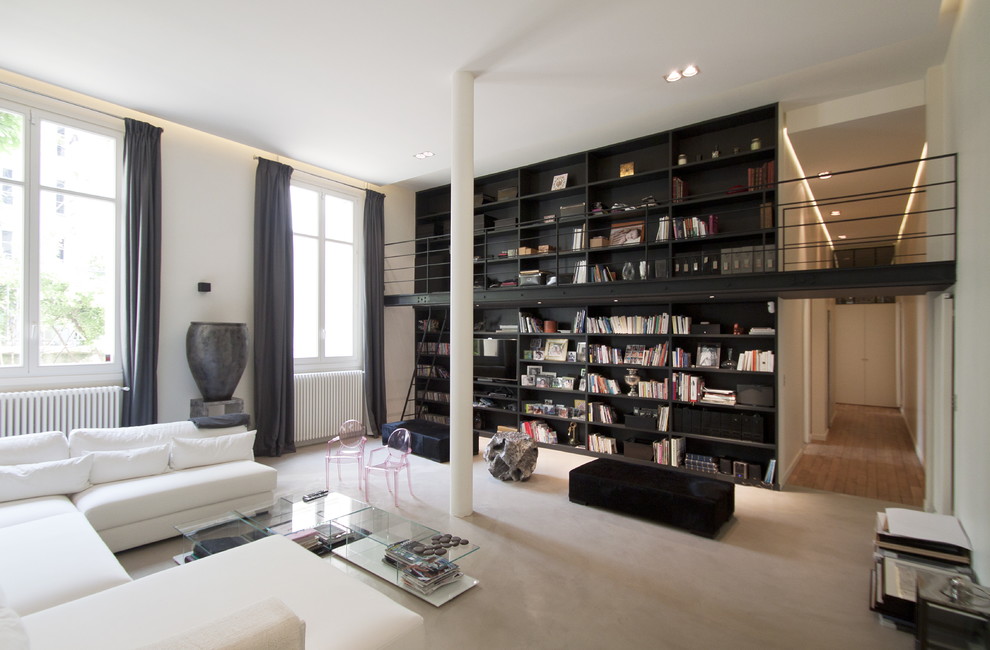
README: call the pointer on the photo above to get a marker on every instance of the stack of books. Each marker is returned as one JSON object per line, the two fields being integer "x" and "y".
{"x": 718, "y": 396}
{"x": 908, "y": 543}
{"x": 421, "y": 573}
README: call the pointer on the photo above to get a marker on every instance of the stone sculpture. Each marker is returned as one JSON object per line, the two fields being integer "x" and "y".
{"x": 511, "y": 456}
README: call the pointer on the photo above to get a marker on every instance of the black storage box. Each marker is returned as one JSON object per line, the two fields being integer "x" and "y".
{"x": 483, "y": 221}
{"x": 754, "y": 395}
{"x": 641, "y": 422}
{"x": 572, "y": 210}
{"x": 506, "y": 222}
{"x": 706, "y": 328}
{"x": 429, "y": 439}
{"x": 641, "y": 449}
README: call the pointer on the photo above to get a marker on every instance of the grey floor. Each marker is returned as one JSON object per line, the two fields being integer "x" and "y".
{"x": 791, "y": 570}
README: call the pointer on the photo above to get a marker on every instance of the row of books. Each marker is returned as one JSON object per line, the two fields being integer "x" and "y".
{"x": 600, "y": 384}
{"x": 429, "y": 370}
{"x": 680, "y": 358}
{"x": 669, "y": 451}
{"x": 602, "y": 444}
{"x": 596, "y": 273}
{"x": 718, "y": 397}
{"x": 686, "y": 227}
{"x": 634, "y": 355}
{"x": 656, "y": 324}
{"x": 529, "y": 324}
{"x": 433, "y": 347}
{"x": 756, "y": 360}
{"x": 539, "y": 431}
{"x": 653, "y": 389}
{"x": 681, "y": 324}
{"x": 686, "y": 387}
{"x": 759, "y": 177}
{"x": 599, "y": 412}
{"x": 433, "y": 396}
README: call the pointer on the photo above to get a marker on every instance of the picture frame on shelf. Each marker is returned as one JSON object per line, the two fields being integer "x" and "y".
{"x": 627, "y": 169}
{"x": 582, "y": 351}
{"x": 555, "y": 350}
{"x": 627, "y": 232}
{"x": 538, "y": 355}
{"x": 532, "y": 371}
{"x": 527, "y": 380}
{"x": 708, "y": 355}
{"x": 572, "y": 356}
{"x": 559, "y": 182}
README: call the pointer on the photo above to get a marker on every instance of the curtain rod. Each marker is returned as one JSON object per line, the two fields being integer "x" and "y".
{"x": 332, "y": 180}
{"x": 59, "y": 99}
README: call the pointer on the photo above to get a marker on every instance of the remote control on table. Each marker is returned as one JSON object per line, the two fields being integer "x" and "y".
{"x": 315, "y": 495}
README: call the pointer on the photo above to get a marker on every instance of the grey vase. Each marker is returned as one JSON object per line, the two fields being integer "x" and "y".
{"x": 217, "y": 355}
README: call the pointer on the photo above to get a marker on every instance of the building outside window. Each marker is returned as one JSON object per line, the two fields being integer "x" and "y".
{"x": 59, "y": 268}
{"x": 328, "y": 274}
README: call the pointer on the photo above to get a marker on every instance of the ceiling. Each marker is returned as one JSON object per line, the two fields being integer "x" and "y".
{"x": 360, "y": 87}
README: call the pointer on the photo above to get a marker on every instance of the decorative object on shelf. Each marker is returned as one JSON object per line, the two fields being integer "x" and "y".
{"x": 682, "y": 159}
{"x": 597, "y": 208}
{"x": 559, "y": 182}
{"x": 755, "y": 144}
{"x": 708, "y": 355}
{"x": 644, "y": 270}
{"x": 729, "y": 363}
{"x": 511, "y": 456}
{"x": 648, "y": 201}
{"x": 627, "y": 169}
{"x": 736, "y": 149}
{"x": 572, "y": 436}
{"x": 737, "y": 329}
{"x": 555, "y": 350}
{"x": 715, "y": 152}
{"x": 627, "y": 232}
{"x": 628, "y": 272}
{"x": 217, "y": 354}
{"x": 550, "y": 326}
{"x": 632, "y": 379}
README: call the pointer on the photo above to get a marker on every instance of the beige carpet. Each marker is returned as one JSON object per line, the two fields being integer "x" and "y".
{"x": 790, "y": 571}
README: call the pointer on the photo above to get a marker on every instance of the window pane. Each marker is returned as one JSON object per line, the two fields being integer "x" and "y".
{"x": 340, "y": 218}
{"x": 305, "y": 211}
{"x": 11, "y": 275}
{"x": 78, "y": 160}
{"x": 77, "y": 267}
{"x": 306, "y": 297}
{"x": 339, "y": 300}
{"x": 11, "y": 145}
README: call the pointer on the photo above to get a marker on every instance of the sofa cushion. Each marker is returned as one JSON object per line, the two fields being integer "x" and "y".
{"x": 13, "y": 636}
{"x": 54, "y": 560}
{"x": 33, "y": 448}
{"x": 196, "y": 452}
{"x": 123, "y": 502}
{"x": 107, "y": 439}
{"x": 43, "y": 479}
{"x": 17, "y": 512}
{"x": 340, "y": 610}
{"x": 265, "y": 625}
{"x": 111, "y": 466}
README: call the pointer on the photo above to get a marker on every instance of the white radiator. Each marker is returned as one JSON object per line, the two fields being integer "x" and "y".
{"x": 324, "y": 400}
{"x": 62, "y": 410}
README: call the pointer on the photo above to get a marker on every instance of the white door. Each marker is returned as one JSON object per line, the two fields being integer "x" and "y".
{"x": 866, "y": 354}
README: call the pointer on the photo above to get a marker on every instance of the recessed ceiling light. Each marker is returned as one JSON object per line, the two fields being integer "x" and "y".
{"x": 690, "y": 71}
{"x": 424, "y": 154}
{"x": 835, "y": 213}
{"x": 824, "y": 175}
{"x": 673, "y": 76}
{"x": 842, "y": 236}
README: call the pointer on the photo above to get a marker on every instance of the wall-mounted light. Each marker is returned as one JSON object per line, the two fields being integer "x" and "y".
{"x": 842, "y": 236}
{"x": 825, "y": 175}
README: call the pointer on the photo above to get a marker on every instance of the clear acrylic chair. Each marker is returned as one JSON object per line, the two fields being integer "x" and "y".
{"x": 394, "y": 460}
{"x": 349, "y": 441}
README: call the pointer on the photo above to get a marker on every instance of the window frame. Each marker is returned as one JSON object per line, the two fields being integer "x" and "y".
{"x": 32, "y": 374}
{"x": 356, "y": 360}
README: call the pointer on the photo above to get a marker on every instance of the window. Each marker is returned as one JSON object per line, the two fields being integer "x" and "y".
{"x": 60, "y": 224}
{"x": 328, "y": 273}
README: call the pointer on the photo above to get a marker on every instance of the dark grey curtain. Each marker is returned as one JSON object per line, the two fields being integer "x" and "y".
{"x": 143, "y": 214}
{"x": 273, "y": 362}
{"x": 374, "y": 294}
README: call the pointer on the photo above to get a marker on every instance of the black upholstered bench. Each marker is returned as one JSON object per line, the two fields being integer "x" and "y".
{"x": 695, "y": 503}
{"x": 429, "y": 439}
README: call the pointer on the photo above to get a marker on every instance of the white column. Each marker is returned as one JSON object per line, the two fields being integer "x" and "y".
{"x": 461, "y": 294}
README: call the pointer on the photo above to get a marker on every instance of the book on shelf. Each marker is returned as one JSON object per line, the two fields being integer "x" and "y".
{"x": 663, "y": 229}
{"x": 669, "y": 451}
{"x": 634, "y": 355}
{"x": 578, "y": 325}
{"x": 754, "y": 331}
{"x": 761, "y": 177}
{"x": 602, "y": 444}
{"x": 539, "y": 431}
{"x": 578, "y": 237}
{"x": 678, "y": 189}
{"x": 756, "y": 361}
{"x": 718, "y": 396}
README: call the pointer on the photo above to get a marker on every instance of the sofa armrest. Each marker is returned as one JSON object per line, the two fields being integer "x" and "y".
{"x": 261, "y": 626}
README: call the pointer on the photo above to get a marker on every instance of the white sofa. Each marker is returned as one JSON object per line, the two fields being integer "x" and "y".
{"x": 65, "y": 504}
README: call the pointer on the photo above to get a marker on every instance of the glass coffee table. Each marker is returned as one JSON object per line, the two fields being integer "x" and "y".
{"x": 416, "y": 558}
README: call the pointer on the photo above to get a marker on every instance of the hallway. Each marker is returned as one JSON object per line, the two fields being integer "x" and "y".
{"x": 869, "y": 453}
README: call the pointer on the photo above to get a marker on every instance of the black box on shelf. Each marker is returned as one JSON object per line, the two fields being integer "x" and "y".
{"x": 641, "y": 422}
{"x": 575, "y": 210}
{"x": 740, "y": 469}
{"x": 706, "y": 328}
{"x": 639, "y": 449}
{"x": 506, "y": 222}
{"x": 531, "y": 278}
{"x": 725, "y": 466}
{"x": 661, "y": 268}
{"x": 506, "y": 193}
{"x": 754, "y": 470}
{"x": 483, "y": 221}
{"x": 754, "y": 395}
{"x": 481, "y": 198}
{"x": 752, "y": 428}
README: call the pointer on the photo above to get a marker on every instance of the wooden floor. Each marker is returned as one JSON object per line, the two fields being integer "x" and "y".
{"x": 869, "y": 453}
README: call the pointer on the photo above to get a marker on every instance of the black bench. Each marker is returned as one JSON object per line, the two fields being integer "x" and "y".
{"x": 695, "y": 503}
{"x": 429, "y": 439}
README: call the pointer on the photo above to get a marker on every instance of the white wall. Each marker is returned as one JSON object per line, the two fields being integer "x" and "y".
{"x": 791, "y": 420}
{"x": 208, "y": 236}
{"x": 913, "y": 367}
{"x": 968, "y": 103}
